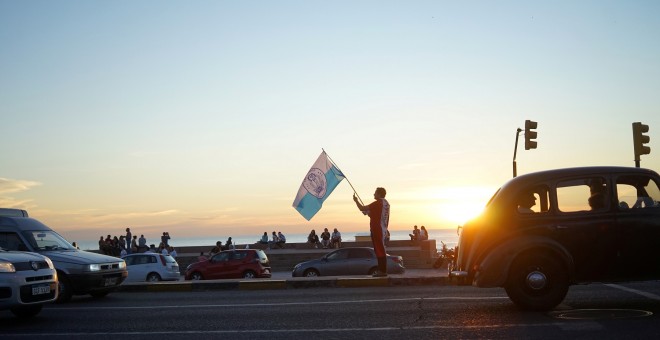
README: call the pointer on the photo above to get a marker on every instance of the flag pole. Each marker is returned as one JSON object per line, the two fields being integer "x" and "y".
{"x": 347, "y": 180}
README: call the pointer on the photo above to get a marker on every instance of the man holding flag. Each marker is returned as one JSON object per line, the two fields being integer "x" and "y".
{"x": 379, "y": 216}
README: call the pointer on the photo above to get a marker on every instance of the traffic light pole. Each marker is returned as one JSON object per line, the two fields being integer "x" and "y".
{"x": 515, "y": 151}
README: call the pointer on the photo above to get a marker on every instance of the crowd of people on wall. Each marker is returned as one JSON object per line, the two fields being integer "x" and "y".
{"x": 129, "y": 244}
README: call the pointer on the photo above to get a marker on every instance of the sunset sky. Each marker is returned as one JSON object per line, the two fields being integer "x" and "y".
{"x": 202, "y": 117}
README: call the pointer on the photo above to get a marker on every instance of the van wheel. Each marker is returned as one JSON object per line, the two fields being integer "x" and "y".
{"x": 153, "y": 277}
{"x": 537, "y": 282}
{"x": 25, "y": 312}
{"x": 64, "y": 288}
{"x": 249, "y": 274}
{"x": 311, "y": 273}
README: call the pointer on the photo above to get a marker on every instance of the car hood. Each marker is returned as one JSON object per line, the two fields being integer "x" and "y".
{"x": 19, "y": 256}
{"x": 79, "y": 257}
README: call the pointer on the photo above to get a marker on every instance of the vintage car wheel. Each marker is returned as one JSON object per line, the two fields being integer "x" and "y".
{"x": 537, "y": 281}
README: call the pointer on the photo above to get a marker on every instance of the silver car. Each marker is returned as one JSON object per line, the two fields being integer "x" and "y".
{"x": 27, "y": 281}
{"x": 151, "y": 267}
{"x": 347, "y": 261}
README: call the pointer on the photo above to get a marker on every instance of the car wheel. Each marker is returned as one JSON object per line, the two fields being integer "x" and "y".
{"x": 248, "y": 274}
{"x": 99, "y": 294}
{"x": 26, "y": 311}
{"x": 153, "y": 277}
{"x": 537, "y": 282}
{"x": 64, "y": 288}
{"x": 196, "y": 276}
{"x": 311, "y": 273}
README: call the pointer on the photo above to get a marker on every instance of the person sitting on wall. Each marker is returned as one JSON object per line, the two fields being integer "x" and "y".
{"x": 415, "y": 234}
{"x": 313, "y": 239}
{"x": 335, "y": 239}
{"x": 282, "y": 239}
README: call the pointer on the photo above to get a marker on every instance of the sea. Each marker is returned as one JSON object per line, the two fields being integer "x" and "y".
{"x": 448, "y": 236}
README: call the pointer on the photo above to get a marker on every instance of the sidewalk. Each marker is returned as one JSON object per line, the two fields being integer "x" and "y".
{"x": 283, "y": 280}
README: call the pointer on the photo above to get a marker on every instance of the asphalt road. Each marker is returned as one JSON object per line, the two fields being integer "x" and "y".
{"x": 596, "y": 311}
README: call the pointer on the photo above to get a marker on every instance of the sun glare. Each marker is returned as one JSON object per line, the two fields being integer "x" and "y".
{"x": 460, "y": 204}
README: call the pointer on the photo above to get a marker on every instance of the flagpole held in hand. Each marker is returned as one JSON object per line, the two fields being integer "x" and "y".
{"x": 347, "y": 180}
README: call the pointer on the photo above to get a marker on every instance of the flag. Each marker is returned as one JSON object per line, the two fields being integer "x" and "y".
{"x": 318, "y": 184}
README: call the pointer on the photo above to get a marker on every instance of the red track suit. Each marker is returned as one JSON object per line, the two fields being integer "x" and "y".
{"x": 379, "y": 215}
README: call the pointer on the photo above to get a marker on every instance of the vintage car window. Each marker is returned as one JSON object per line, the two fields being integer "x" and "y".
{"x": 588, "y": 194}
{"x": 534, "y": 200}
{"x": 637, "y": 192}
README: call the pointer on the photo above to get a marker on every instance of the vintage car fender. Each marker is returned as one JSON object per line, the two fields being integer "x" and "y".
{"x": 494, "y": 268}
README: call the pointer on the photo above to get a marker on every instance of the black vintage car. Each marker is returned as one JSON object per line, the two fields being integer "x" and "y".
{"x": 544, "y": 231}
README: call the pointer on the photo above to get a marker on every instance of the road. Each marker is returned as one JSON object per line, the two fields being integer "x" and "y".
{"x": 426, "y": 312}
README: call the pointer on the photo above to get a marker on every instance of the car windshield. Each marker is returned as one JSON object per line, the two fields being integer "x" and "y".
{"x": 47, "y": 240}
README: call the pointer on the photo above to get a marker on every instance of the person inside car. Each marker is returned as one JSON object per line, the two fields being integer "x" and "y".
{"x": 527, "y": 201}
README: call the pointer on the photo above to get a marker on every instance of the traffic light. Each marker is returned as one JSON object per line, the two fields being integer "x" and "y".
{"x": 530, "y": 135}
{"x": 639, "y": 139}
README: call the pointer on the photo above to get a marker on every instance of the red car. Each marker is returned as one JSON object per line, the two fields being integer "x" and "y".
{"x": 231, "y": 264}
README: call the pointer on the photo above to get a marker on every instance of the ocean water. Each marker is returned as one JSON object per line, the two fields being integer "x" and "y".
{"x": 448, "y": 236}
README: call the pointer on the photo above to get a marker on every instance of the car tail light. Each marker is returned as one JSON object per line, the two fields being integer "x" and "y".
{"x": 162, "y": 260}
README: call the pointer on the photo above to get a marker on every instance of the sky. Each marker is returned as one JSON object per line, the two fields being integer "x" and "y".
{"x": 202, "y": 117}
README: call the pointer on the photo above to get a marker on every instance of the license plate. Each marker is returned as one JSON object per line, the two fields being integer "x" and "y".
{"x": 110, "y": 281}
{"x": 38, "y": 290}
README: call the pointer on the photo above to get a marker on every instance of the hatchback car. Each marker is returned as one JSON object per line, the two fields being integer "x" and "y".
{"x": 151, "y": 267}
{"x": 231, "y": 264}
{"x": 348, "y": 261}
{"x": 27, "y": 281}
{"x": 544, "y": 231}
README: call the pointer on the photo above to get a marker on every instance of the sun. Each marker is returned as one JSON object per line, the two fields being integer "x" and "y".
{"x": 458, "y": 205}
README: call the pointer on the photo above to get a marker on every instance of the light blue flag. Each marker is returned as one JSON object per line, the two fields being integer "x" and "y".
{"x": 318, "y": 184}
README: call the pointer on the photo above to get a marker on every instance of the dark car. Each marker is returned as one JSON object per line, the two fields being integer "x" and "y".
{"x": 231, "y": 264}
{"x": 348, "y": 261}
{"x": 544, "y": 231}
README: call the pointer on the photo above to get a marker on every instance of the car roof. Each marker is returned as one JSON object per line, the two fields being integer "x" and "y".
{"x": 545, "y": 175}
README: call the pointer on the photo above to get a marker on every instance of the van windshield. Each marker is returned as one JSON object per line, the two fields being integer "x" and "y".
{"x": 46, "y": 240}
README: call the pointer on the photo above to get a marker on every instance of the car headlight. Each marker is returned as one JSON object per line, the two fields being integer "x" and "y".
{"x": 94, "y": 267}
{"x": 6, "y": 267}
{"x": 122, "y": 265}
{"x": 50, "y": 263}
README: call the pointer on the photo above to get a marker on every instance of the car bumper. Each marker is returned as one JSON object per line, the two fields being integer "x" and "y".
{"x": 23, "y": 288}
{"x": 93, "y": 282}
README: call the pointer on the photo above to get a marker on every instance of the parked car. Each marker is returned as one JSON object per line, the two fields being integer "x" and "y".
{"x": 27, "y": 281}
{"x": 231, "y": 264}
{"x": 151, "y": 267}
{"x": 79, "y": 272}
{"x": 544, "y": 231}
{"x": 348, "y": 261}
